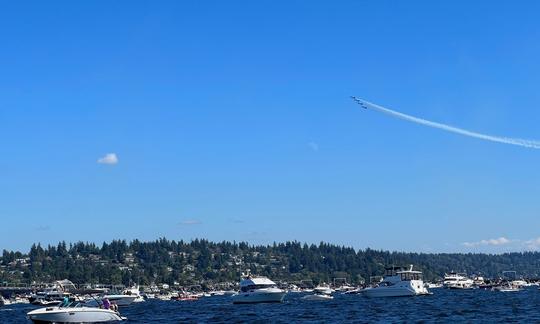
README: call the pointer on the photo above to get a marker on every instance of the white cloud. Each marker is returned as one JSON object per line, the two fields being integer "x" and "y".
{"x": 190, "y": 222}
{"x": 314, "y": 146}
{"x": 533, "y": 244}
{"x": 109, "y": 158}
{"x": 490, "y": 242}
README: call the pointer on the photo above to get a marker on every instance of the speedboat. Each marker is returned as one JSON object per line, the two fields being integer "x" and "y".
{"x": 258, "y": 290}
{"x": 455, "y": 280}
{"x": 76, "y": 314}
{"x": 398, "y": 282}
{"x": 323, "y": 289}
{"x": 185, "y": 296}
{"x": 433, "y": 285}
{"x": 318, "y": 296}
{"x": 48, "y": 296}
{"x": 508, "y": 286}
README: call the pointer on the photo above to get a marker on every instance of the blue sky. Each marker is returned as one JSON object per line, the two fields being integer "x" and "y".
{"x": 232, "y": 121}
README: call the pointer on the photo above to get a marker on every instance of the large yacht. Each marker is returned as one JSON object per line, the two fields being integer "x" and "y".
{"x": 258, "y": 290}
{"x": 398, "y": 282}
{"x": 455, "y": 280}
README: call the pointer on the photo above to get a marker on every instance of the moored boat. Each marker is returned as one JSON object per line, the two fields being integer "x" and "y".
{"x": 258, "y": 290}
{"x": 398, "y": 282}
{"x": 455, "y": 280}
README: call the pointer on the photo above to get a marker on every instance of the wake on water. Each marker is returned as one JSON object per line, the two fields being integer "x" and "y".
{"x": 448, "y": 128}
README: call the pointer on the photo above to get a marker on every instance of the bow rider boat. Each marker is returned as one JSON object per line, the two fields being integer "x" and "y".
{"x": 75, "y": 314}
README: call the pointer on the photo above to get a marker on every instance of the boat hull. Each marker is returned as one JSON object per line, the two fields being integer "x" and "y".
{"x": 259, "y": 297}
{"x": 392, "y": 292}
{"x": 73, "y": 315}
{"x": 318, "y": 297}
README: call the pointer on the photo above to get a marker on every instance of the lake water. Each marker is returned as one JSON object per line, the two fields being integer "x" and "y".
{"x": 443, "y": 306}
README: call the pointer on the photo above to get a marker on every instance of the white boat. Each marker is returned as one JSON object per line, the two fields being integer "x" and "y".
{"x": 323, "y": 289}
{"x": 258, "y": 290}
{"x": 398, "y": 282}
{"x": 48, "y": 296}
{"x": 455, "y": 280}
{"x": 294, "y": 289}
{"x": 509, "y": 286}
{"x": 318, "y": 297}
{"x": 433, "y": 285}
{"x": 73, "y": 315}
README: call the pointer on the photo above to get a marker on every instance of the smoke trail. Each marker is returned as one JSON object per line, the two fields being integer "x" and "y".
{"x": 505, "y": 140}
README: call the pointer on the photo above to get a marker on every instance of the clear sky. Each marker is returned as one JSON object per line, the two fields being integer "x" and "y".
{"x": 231, "y": 120}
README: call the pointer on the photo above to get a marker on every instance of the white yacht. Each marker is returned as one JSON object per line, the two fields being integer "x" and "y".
{"x": 455, "y": 280}
{"x": 258, "y": 290}
{"x": 398, "y": 282}
{"x": 75, "y": 314}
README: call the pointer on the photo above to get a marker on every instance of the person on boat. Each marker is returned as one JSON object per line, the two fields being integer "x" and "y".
{"x": 114, "y": 307}
{"x": 65, "y": 302}
{"x": 106, "y": 303}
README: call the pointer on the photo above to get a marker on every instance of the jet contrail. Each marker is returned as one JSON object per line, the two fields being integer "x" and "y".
{"x": 506, "y": 140}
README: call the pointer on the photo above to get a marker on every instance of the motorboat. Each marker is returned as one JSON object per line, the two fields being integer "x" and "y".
{"x": 258, "y": 290}
{"x": 323, "y": 289}
{"x": 185, "y": 296}
{"x": 48, "y": 296}
{"x": 508, "y": 286}
{"x": 479, "y": 281}
{"x": 345, "y": 288}
{"x": 455, "y": 280}
{"x": 294, "y": 289}
{"x": 75, "y": 314}
{"x": 134, "y": 291}
{"x": 318, "y": 296}
{"x": 433, "y": 285}
{"x": 398, "y": 282}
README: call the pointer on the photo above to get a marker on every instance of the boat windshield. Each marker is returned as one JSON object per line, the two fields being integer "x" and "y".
{"x": 405, "y": 276}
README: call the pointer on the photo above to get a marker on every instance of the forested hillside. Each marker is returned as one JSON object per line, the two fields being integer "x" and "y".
{"x": 204, "y": 262}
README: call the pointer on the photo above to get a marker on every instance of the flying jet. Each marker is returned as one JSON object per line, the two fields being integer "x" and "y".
{"x": 360, "y": 102}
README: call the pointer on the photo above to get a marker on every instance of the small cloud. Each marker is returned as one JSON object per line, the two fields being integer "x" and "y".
{"x": 313, "y": 146}
{"x": 189, "y": 222}
{"x": 43, "y": 228}
{"x": 490, "y": 242}
{"x": 109, "y": 158}
{"x": 533, "y": 244}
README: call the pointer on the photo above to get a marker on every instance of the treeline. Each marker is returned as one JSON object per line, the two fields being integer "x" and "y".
{"x": 204, "y": 262}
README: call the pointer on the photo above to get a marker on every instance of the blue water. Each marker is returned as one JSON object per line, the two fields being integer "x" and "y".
{"x": 443, "y": 306}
